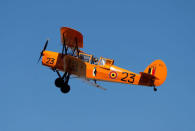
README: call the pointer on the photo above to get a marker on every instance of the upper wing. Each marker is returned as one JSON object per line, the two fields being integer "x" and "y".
{"x": 71, "y": 37}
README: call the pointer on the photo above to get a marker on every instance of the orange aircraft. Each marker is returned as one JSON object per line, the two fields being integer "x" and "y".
{"x": 73, "y": 61}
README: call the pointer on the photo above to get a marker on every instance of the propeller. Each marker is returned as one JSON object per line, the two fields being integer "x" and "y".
{"x": 41, "y": 54}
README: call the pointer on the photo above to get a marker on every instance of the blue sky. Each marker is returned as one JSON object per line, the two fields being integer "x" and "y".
{"x": 133, "y": 33}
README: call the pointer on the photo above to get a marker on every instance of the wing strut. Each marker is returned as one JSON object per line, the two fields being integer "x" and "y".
{"x": 76, "y": 48}
{"x": 65, "y": 47}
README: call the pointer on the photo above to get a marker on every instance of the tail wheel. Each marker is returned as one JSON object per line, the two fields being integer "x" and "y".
{"x": 155, "y": 89}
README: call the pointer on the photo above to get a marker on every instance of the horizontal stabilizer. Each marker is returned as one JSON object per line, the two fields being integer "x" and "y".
{"x": 149, "y": 76}
{"x": 147, "y": 79}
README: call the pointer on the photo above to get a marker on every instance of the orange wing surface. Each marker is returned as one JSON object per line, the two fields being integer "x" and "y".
{"x": 71, "y": 37}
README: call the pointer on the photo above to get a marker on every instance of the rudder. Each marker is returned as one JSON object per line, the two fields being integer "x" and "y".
{"x": 157, "y": 69}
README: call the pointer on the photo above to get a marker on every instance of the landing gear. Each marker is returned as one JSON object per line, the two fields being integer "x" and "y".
{"x": 59, "y": 82}
{"x": 155, "y": 89}
{"x": 62, "y": 82}
{"x": 65, "y": 88}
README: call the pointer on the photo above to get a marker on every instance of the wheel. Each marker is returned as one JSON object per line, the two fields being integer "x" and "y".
{"x": 65, "y": 88}
{"x": 155, "y": 89}
{"x": 59, "y": 82}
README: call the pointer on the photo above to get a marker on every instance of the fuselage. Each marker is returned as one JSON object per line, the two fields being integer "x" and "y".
{"x": 102, "y": 71}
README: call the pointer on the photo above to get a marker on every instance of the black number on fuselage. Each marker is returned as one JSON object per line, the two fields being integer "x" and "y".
{"x": 50, "y": 60}
{"x": 124, "y": 78}
{"x": 130, "y": 79}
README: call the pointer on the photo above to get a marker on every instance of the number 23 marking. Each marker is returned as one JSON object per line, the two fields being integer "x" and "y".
{"x": 130, "y": 79}
{"x": 50, "y": 60}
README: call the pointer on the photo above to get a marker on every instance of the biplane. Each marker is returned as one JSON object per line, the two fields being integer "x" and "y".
{"x": 73, "y": 61}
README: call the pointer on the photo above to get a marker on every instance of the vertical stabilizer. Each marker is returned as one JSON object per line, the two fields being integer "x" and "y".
{"x": 157, "y": 69}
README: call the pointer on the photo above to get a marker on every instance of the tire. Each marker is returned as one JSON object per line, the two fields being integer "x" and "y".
{"x": 65, "y": 88}
{"x": 59, "y": 82}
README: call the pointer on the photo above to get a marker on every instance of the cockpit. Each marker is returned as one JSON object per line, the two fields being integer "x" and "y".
{"x": 85, "y": 57}
{"x": 90, "y": 59}
{"x": 106, "y": 63}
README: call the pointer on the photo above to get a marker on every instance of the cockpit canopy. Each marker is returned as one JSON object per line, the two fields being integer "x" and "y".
{"x": 105, "y": 62}
{"x": 90, "y": 59}
{"x": 85, "y": 57}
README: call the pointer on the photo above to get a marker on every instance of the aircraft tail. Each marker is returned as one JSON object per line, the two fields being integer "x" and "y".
{"x": 154, "y": 75}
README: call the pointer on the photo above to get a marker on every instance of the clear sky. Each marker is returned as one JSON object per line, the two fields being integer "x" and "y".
{"x": 133, "y": 33}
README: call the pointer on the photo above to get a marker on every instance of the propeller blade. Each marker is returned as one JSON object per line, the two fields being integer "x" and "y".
{"x": 39, "y": 58}
{"x": 44, "y": 48}
{"x": 45, "y": 45}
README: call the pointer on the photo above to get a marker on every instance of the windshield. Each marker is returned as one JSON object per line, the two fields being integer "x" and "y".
{"x": 84, "y": 57}
{"x": 102, "y": 62}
